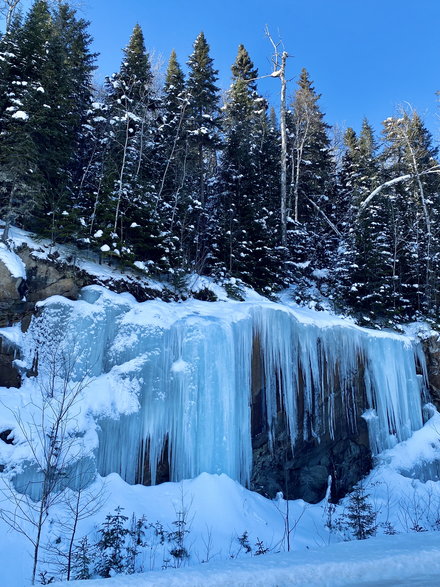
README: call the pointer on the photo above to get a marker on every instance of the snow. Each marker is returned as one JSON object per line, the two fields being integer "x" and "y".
{"x": 20, "y": 115}
{"x": 221, "y": 508}
{"x": 13, "y": 335}
{"x": 12, "y": 261}
{"x": 388, "y": 560}
{"x": 84, "y": 260}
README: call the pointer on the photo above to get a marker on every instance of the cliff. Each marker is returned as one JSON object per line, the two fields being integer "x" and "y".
{"x": 276, "y": 396}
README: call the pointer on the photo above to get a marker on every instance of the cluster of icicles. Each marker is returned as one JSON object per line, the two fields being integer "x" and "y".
{"x": 192, "y": 364}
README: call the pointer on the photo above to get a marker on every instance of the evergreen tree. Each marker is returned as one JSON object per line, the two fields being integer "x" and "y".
{"x": 112, "y": 544}
{"x": 21, "y": 178}
{"x": 244, "y": 239}
{"x": 203, "y": 112}
{"x": 18, "y": 185}
{"x": 365, "y": 250}
{"x": 311, "y": 238}
{"x": 51, "y": 96}
{"x": 82, "y": 560}
{"x": 127, "y": 214}
{"x": 173, "y": 155}
{"x": 311, "y": 165}
{"x": 409, "y": 151}
{"x": 360, "y": 516}
{"x": 203, "y": 143}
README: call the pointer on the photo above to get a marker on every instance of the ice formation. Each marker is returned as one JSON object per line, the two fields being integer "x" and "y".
{"x": 178, "y": 378}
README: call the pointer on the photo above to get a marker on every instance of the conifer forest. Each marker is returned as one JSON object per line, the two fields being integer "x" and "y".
{"x": 164, "y": 173}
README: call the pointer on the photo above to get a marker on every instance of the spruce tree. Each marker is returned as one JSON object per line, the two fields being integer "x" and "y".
{"x": 19, "y": 192}
{"x": 243, "y": 235}
{"x": 55, "y": 66}
{"x": 173, "y": 154}
{"x": 111, "y": 546}
{"x": 360, "y": 516}
{"x": 409, "y": 151}
{"x": 364, "y": 254}
{"x": 203, "y": 144}
{"x": 311, "y": 238}
{"x": 203, "y": 113}
{"x": 127, "y": 214}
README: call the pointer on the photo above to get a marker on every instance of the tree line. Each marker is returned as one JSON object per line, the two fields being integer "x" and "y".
{"x": 174, "y": 178}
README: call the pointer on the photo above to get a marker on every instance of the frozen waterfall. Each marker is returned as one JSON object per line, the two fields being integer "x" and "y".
{"x": 176, "y": 381}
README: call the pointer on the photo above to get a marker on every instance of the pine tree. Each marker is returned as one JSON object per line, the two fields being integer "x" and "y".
{"x": 18, "y": 185}
{"x": 203, "y": 112}
{"x": 21, "y": 180}
{"x": 311, "y": 164}
{"x": 173, "y": 155}
{"x": 51, "y": 97}
{"x": 409, "y": 151}
{"x": 365, "y": 248}
{"x": 127, "y": 214}
{"x": 82, "y": 560}
{"x": 112, "y": 544}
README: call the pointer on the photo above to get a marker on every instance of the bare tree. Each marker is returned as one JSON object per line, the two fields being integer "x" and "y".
{"x": 78, "y": 505}
{"x": 47, "y": 430}
{"x": 279, "y": 59}
{"x": 7, "y": 10}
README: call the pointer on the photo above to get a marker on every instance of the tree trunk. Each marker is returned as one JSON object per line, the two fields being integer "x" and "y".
{"x": 283, "y": 203}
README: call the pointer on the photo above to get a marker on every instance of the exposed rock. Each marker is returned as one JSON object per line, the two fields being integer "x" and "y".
{"x": 5, "y": 436}
{"x": 432, "y": 352}
{"x": 10, "y": 286}
{"x": 9, "y": 376}
{"x": 11, "y": 293}
{"x": 304, "y": 472}
{"x": 46, "y": 277}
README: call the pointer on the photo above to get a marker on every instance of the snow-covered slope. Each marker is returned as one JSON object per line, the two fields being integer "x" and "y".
{"x": 385, "y": 561}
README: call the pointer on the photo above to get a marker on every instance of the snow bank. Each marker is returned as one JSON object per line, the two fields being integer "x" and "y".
{"x": 12, "y": 261}
{"x": 388, "y": 560}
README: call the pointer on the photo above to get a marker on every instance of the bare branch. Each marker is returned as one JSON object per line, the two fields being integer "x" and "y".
{"x": 409, "y": 176}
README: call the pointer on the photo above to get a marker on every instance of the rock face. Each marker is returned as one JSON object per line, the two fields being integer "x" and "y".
{"x": 47, "y": 277}
{"x": 9, "y": 376}
{"x": 432, "y": 352}
{"x": 10, "y": 286}
{"x": 18, "y": 297}
{"x": 12, "y": 289}
{"x": 304, "y": 471}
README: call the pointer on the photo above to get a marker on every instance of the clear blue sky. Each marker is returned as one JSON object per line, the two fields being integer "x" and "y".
{"x": 365, "y": 56}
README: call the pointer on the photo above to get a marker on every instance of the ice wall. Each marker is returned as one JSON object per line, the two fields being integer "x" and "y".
{"x": 178, "y": 378}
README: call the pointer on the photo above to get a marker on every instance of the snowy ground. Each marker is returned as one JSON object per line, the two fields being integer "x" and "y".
{"x": 219, "y": 510}
{"x": 386, "y": 560}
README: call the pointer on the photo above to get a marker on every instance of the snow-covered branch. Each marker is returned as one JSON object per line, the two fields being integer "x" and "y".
{"x": 402, "y": 178}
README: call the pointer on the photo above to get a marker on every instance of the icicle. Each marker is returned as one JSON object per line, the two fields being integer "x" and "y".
{"x": 184, "y": 372}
